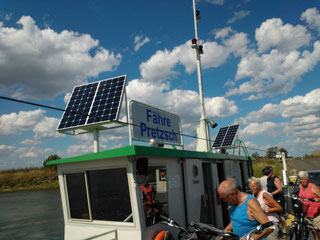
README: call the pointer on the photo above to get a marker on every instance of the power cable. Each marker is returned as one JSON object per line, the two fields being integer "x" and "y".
{"x": 126, "y": 123}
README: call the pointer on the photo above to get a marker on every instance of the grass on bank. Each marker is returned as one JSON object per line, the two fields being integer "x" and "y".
{"x": 28, "y": 179}
{"x": 47, "y": 178}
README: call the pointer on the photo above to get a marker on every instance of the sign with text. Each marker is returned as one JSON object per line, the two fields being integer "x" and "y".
{"x": 152, "y": 123}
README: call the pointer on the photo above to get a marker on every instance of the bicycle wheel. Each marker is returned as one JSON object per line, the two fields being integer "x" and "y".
{"x": 293, "y": 233}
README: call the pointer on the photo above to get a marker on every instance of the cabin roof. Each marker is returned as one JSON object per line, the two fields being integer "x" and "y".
{"x": 145, "y": 151}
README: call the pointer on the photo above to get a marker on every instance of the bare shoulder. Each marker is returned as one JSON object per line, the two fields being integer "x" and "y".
{"x": 252, "y": 202}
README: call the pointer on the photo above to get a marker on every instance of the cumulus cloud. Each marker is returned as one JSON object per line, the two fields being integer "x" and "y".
{"x": 301, "y": 119}
{"x": 42, "y": 126}
{"x": 238, "y": 15}
{"x": 162, "y": 65}
{"x": 79, "y": 149}
{"x": 273, "y": 73}
{"x": 13, "y": 123}
{"x": 139, "y": 42}
{"x": 295, "y": 107}
{"x": 185, "y": 103}
{"x": 312, "y": 17}
{"x": 262, "y": 129}
{"x": 284, "y": 37}
{"x": 43, "y": 63}
{"x": 216, "y": 2}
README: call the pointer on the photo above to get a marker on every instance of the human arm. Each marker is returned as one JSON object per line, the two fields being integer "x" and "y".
{"x": 316, "y": 190}
{"x": 255, "y": 212}
{"x": 273, "y": 205}
{"x": 229, "y": 227}
{"x": 277, "y": 182}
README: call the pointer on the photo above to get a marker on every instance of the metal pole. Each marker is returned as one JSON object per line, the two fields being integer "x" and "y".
{"x": 95, "y": 140}
{"x": 285, "y": 170}
{"x": 202, "y": 145}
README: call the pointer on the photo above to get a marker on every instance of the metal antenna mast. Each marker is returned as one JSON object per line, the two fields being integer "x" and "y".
{"x": 203, "y": 143}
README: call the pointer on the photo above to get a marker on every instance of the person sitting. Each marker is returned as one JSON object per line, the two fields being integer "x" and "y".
{"x": 268, "y": 204}
{"x": 246, "y": 213}
{"x": 311, "y": 191}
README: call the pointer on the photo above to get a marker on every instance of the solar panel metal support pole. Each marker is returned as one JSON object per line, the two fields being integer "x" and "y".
{"x": 203, "y": 143}
{"x": 95, "y": 140}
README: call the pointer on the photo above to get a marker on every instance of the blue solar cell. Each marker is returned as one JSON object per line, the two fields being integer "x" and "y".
{"x": 232, "y": 131}
{"x": 220, "y": 136}
{"x": 93, "y": 103}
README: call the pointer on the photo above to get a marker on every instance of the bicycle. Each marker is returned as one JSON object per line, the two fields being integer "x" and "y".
{"x": 203, "y": 231}
{"x": 298, "y": 228}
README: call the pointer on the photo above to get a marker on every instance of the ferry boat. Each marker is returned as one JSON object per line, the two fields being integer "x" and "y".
{"x": 102, "y": 193}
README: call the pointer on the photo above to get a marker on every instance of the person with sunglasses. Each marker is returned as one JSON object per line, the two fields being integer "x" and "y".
{"x": 246, "y": 213}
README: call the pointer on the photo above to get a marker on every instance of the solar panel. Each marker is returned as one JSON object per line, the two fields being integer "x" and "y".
{"x": 219, "y": 139}
{"x": 232, "y": 131}
{"x": 93, "y": 103}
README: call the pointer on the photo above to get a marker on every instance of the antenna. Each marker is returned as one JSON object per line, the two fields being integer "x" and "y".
{"x": 203, "y": 143}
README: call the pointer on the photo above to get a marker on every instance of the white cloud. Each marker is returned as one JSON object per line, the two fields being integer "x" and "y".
{"x": 161, "y": 66}
{"x": 274, "y": 73}
{"x": 76, "y": 150}
{"x": 42, "y": 126}
{"x": 67, "y": 97}
{"x": 299, "y": 107}
{"x": 30, "y": 142}
{"x": 185, "y": 103}
{"x": 46, "y": 128}
{"x": 312, "y": 17}
{"x": 216, "y": 2}
{"x": 238, "y": 15}
{"x": 262, "y": 129}
{"x": 303, "y": 113}
{"x": 13, "y": 123}
{"x": 272, "y": 33}
{"x": 44, "y": 63}
{"x": 139, "y": 42}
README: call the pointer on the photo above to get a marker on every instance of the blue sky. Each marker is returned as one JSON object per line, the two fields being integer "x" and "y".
{"x": 260, "y": 69}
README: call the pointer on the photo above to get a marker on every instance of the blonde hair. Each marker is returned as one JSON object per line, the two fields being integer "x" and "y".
{"x": 303, "y": 174}
{"x": 254, "y": 179}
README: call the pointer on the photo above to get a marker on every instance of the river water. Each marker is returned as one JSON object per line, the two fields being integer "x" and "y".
{"x": 31, "y": 215}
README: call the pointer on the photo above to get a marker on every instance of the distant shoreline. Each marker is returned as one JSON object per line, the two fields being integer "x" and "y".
{"x": 29, "y": 179}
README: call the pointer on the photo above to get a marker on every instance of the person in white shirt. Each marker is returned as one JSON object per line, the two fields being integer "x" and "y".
{"x": 264, "y": 178}
{"x": 268, "y": 204}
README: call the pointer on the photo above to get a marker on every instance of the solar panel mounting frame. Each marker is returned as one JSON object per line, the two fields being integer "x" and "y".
{"x": 86, "y": 111}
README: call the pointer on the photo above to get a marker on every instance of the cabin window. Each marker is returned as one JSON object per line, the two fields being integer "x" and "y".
{"x": 99, "y": 195}
{"x": 77, "y": 195}
{"x": 109, "y": 195}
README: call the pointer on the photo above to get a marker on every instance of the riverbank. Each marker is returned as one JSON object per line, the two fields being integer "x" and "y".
{"x": 47, "y": 178}
{"x": 28, "y": 179}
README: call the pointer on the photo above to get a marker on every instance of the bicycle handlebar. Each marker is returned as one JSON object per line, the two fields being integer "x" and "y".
{"x": 295, "y": 197}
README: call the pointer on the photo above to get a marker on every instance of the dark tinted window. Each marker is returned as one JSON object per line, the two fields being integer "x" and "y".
{"x": 314, "y": 177}
{"x": 77, "y": 195}
{"x": 109, "y": 195}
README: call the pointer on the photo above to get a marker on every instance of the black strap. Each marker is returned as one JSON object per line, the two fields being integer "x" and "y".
{"x": 266, "y": 225}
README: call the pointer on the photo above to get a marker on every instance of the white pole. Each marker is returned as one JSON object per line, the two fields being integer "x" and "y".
{"x": 284, "y": 171}
{"x": 95, "y": 140}
{"x": 203, "y": 143}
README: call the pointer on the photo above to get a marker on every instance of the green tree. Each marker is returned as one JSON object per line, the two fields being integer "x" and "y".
{"x": 283, "y": 150}
{"x": 50, "y": 158}
{"x": 272, "y": 152}
{"x": 255, "y": 155}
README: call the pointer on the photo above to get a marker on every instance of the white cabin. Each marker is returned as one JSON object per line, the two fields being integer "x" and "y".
{"x": 101, "y": 197}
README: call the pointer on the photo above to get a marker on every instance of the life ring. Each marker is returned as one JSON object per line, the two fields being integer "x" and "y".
{"x": 164, "y": 235}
